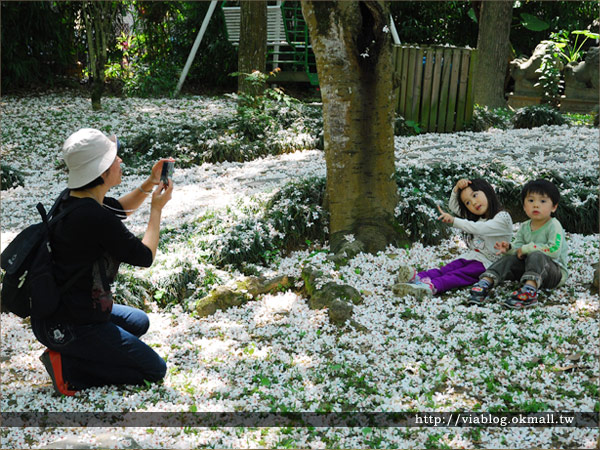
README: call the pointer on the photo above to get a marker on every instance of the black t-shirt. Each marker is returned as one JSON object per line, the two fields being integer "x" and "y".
{"x": 87, "y": 235}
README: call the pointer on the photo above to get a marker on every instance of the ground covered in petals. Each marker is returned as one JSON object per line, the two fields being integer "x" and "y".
{"x": 274, "y": 353}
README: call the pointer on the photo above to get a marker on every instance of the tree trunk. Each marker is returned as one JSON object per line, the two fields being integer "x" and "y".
{"x": 493, "y": 47}
{"x": 252, "y": 52}
{"x": 98, "y": 18}
{"x": 352, "y": 45}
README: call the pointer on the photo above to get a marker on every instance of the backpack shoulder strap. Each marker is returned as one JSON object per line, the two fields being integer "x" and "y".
{"x": 63, "y": 213}
{"x": 47, "y": 217}
{"x": 62, "y": 196}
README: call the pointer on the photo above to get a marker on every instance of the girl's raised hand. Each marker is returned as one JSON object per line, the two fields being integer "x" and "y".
{"x": 502, "y": 247}
{"x": 444, "y": 216}
{"x": 461, "y": 184}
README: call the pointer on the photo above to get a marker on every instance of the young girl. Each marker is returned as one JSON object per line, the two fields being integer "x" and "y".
{"x": 485, "y": 223}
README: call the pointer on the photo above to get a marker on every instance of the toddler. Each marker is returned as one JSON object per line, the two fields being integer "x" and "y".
{"x": 537, "y": 255}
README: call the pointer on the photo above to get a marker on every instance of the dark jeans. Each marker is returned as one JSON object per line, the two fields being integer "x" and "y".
{"x": 536, "y": 266}
{"x": 103, "y": 353}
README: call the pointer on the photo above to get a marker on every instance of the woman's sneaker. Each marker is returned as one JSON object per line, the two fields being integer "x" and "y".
{"x": 523, "y": 298}
{"x": 417, "y": 289}
{"x": 406, "y": 274}
{"x": 53, "y": 364}
{"x": 479, "y": 292}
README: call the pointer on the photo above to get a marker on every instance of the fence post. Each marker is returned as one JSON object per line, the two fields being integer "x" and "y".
{"x": 426, "y": 92}
{"x": 410, "y": 91}
{"x": 469, "y": 103}
{"x": 435, "y": 89}
{"x": 462, "y": 90}
{"x": 453, "y": 91}
{"x": 416, "y": 106}
{"x": 445, "y": 86}
{"x": 403, "y": 82}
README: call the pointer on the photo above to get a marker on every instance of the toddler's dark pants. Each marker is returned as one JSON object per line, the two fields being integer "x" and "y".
{"x": 536, "y": 266}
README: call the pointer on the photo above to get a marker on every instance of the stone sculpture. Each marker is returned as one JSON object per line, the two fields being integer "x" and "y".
{"x": 581, "y": 79}
{"x": 523, "y": 70}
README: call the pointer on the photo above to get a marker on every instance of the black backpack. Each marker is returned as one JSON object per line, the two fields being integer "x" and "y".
{"x": 29, "y": 286}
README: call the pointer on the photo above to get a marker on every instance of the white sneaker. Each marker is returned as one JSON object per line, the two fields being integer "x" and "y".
{"x": 417, "y": 290}
{"x": 405, "y": 274}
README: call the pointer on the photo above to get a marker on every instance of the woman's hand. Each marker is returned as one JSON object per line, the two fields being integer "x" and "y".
{"x": 444, "y": 216}
{"x": 502, "y": 247}
{"x": 154, "y": 177}
{"x": 461, "y": 184}
{"x": 162, "y": 195}
{"x": 132, "y": 201}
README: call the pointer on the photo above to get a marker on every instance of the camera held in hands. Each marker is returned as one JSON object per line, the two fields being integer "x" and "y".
{"x": 167, "y": 171}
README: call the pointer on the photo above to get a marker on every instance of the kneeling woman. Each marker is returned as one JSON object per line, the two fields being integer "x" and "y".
{"x": 90, "y": 340}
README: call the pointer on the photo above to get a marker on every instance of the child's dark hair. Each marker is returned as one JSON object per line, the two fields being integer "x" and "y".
{"x": 494, "y": 206}
{"x": 542, "y": 187}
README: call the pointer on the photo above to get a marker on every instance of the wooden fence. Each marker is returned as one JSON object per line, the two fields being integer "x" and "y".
{"x": 436, "y": 86}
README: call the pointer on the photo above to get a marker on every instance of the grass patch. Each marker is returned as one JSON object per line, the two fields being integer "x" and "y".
{"x": 10, "y": 177}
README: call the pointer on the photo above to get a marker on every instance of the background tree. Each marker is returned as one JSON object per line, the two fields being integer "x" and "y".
{"x": 252, "y": 52}
{"x": 493, "y": 47}
{"x": 352, "y": 45}
{"x": 39, "y": 46}
{"x": 99, "y": 19}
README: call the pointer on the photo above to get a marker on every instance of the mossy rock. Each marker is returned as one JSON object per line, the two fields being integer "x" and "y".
{"x": 347, "y": 251}
{"x": 246, "y": 289}
{"x": 332, "y": 291}
{"x": 310, "y": 275}
{"x": 338, "y": 299}
{"x": 222, "y": 297}
{"x": 339, "y": 311}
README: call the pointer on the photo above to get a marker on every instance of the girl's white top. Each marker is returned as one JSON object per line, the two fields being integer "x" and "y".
{"x": 483, "y": 234}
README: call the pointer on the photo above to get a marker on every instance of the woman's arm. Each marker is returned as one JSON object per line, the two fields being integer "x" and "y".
{"x": 160, "y": 197}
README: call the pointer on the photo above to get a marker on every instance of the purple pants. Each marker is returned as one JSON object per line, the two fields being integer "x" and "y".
{"x": 459, "y": 273}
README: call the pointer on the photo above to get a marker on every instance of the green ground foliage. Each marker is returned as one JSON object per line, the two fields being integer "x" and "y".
{"x": 271, "y": 128}
{"x": 293, "y": 217}
{"x": 485, "y": 118}
{"x": 10, "y": 177}
{"x": 537, "y": 116}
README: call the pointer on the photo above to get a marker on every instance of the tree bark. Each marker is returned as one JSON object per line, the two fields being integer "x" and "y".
{"x": 352, "y": 45}
{"x": 493, "y": 47}
{"x": 252, "y": 52}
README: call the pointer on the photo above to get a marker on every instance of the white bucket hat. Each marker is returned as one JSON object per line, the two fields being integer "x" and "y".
{"x": 88, "y": 153}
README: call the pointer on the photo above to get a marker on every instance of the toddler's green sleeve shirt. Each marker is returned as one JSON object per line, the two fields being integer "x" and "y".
{"x": 549, "y": 239}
